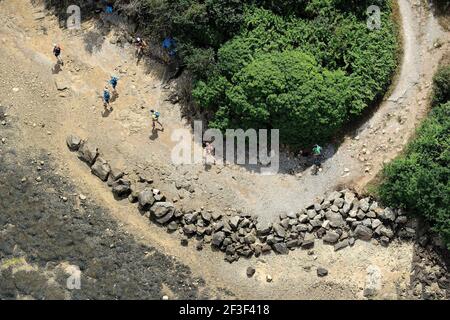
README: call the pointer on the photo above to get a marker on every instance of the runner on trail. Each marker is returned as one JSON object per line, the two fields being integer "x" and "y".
{"x": 113, "y": 82}
{"x": 155, "y": 119}
{"x": 57, "y": 53}
{"x": 106, "y": 97}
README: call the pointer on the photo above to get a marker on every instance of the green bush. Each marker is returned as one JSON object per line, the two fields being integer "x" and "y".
{"x": 352, "y": 69}
{"x": 441, "y": 86}
{"x": 419, "y": 180}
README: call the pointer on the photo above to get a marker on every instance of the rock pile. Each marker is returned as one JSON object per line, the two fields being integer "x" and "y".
{"x": 339, "y": 219}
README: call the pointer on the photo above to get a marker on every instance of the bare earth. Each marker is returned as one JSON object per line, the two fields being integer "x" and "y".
{"x": 28, "y": 89}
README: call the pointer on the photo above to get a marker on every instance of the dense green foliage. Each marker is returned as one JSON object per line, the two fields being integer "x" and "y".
{"x": 306, "y": 67}
{"x": 419, "y": 180}
{"x": 306, "y": 77}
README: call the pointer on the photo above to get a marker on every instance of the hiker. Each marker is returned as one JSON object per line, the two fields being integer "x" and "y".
{"x": 57, "y": 53}
{"x": 209, "y": 153}
{"x": 317, "y": 154}
{"x": 113, "y": 82}
{"x": 155, "y": 119}
{"x": 140, "y": 45}
{"x": 106, "y": 97}
{"x": 169, "y": 46}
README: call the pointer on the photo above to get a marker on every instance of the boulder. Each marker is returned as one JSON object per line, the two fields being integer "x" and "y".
{"x": 162, "y": 209}
{"x": 73, "y": 142}
{"x": 349, "y": 197}
{"x": 387, "y": 232}
{"x": 388, "y": 214}
{"x": 341, "y": 245}
{"x": 234, "y": 222}
{"x": 101, "y": 169}
{"x": 145, "y": 199}
{"x": 173, "y": 226}
{"x": 331, "y": 237}
{"x": 279, "y": 230}
{"x": 363, "y": 233}
{"x": 308, "y": 240}
{"x": 364, "y": 204}
{"x": 88, "y": 153}
{"x": 189, "y": 229}
{"x": 376, "y": 223}
{"x": 281, "y": 248}
{"x": 335, "y": 218}
{"x": 263, "y": 229}
{"x": 121, "y": 188}
{"x": 217, "y": 238}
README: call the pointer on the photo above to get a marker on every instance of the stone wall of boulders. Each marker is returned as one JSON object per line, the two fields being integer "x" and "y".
{"x": 339, "y": 219}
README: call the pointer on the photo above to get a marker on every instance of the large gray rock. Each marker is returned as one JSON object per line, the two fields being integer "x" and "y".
{"x": 349, "y": 197}
{"x": 281, "y": 248}
{"x": 308, "y": 240}
{"x": 88, "y": 152}
{"x": 388, "y": 214}
{"x": 146, "y": 199}
{"x": 331, "y": 237}
{"x": 121, "y": 188}
{"x": 217, "y": 238}
{"x": 364, "y": 204}
{"x": 341, "y": 245}
{"x": 263, "y": 229}
{"x": 234, "y": 222}
{"x": 335, "y": 218}
{"x": 279, "y": 230}
{"x": 363, "y": 233}
{"x": 162, "y": 209}
{"x": 387, "y": 232}
{"x": 101, "y": 169}
{"x": 73, "y": 142}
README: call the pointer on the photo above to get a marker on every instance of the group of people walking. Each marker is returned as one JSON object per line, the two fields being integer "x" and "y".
{"x": 111, "y": 86}
{"x": 154, "y": 114}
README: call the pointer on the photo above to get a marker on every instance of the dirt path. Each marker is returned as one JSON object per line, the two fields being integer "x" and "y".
{"x": 48, "y": 115}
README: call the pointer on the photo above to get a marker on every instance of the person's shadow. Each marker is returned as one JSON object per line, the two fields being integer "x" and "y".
{"x": 57, "y": 68}
{"x": 106, "y": 112}
{"x": 114, "y": 96}
{"x": 155, "y": 134}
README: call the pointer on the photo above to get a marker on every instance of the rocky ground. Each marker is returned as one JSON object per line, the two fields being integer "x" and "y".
{"x": 45, "y": 104}
{"x": 49, "y": 232}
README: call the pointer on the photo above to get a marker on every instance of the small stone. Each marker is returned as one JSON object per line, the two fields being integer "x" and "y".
{"x": 269, "y": 278}
{"x": 322, "y": 272}
{"x": 250, "y": 272}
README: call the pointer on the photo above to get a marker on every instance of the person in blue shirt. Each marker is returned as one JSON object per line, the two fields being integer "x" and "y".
{"x": 114, "y": 80}
{"x": 106, "y": 97}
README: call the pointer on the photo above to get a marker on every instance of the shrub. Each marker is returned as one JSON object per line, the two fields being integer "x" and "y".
{"x": 419, "y": 180}
{"x": 441, "y": 88}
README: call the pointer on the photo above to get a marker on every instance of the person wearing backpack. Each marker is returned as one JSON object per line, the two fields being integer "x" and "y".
{"x": 113, "y": 82}
{"x": 57, "y": 53}
{"x": 155, "y": 119}
{"x": 106, "y": 97}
